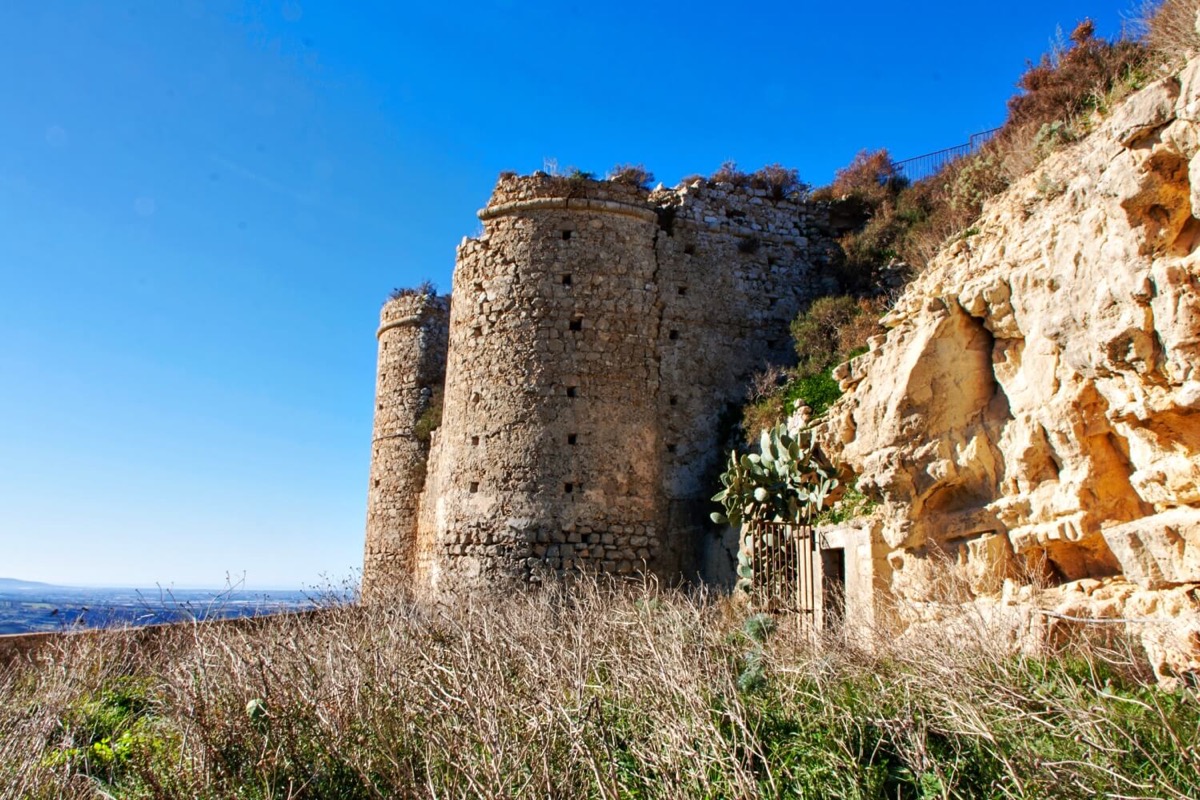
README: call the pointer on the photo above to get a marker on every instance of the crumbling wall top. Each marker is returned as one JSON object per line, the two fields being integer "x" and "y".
{"x": 410, "y": 308}
{"x": 515, "y": 193}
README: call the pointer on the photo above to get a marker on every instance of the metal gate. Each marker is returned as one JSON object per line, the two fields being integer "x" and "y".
{"x": 783, "y": 557}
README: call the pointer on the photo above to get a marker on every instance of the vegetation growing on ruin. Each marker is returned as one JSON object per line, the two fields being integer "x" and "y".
{"x": 601, "y": 693}
{"x": 423, "y": 289}
{"x": 431, "y": 416}
{"x": 778, "y": 181}
{"x": 832, "y": 330}
{"x": 851, "y": 505}
{"x": 632, "y": 175}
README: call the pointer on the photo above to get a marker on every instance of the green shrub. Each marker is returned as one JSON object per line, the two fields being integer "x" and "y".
{"x": 107, "y": 735}
{"x": 763, "y": 413}
{"x": 431, "y": 417}
{"x": 832, "y": 330}
{"x": 817, "y": 332}
{"x": 818, "y": 392}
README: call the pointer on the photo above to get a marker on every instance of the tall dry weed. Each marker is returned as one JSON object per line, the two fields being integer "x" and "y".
{"x": 604, "y": 691}
{"x": 1170, "y": 29}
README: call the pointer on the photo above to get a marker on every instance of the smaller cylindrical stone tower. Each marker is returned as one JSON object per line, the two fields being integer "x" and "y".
{"x": 413, "y": 333}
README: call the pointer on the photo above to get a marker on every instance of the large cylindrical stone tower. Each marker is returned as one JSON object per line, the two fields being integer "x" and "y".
{"x": 548, "y": 460}
{"x": 408, "y": 393}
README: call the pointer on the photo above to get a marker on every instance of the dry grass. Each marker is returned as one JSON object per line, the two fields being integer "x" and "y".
{"x": 600, "y": 693}
{"x": 1170, "y": 29}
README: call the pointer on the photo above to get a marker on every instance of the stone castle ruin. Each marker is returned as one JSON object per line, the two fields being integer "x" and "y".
{"x": 1027, "y": 430}
{"x": 596, "y": 340}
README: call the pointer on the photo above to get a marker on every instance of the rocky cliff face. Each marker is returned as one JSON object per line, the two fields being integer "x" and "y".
{"x": 1033, "y": 413}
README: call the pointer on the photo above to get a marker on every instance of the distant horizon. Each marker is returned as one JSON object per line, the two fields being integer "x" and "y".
{"x": 167, "y": 586}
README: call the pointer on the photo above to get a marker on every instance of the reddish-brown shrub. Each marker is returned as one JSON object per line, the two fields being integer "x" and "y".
{"x": 1069, "y": 82}
{"x": 778, "y": 180}
{"x": 871, "y": 177}
{"x": 729, "y": 173}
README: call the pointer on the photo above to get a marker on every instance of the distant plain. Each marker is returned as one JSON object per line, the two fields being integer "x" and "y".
{"x": 28, "y": 607}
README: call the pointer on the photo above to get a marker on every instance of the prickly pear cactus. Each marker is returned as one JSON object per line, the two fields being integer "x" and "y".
{"x": 783, "y": 482}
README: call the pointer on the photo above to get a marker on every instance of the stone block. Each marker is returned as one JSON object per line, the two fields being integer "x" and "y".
{"x": 1160, "y": 550}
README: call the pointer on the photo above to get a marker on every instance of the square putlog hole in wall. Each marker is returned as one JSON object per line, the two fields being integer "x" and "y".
{"x": 566, "y": 280}
{"x": 572, "y": 391}
{"x": 474, "y": 441}
{"x": 566, "y": 236}
{"x": 673, "y": 335}
{"x": 689, "y": 249}
{"x": 674, "y": 400}
{"x": 682, "y": 290}
{"x": 749, "y": 245}
{"x": 572, "y": 438}
{"x": 474, "y": 487}
{"x": 568, "y": 488}
{"x": 576, "y": 323}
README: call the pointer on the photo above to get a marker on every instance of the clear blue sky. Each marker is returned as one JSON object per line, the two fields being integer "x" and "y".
{"x": 203, "y": 204}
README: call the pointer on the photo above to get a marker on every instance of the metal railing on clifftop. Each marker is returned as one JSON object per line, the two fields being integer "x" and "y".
{"x": 921, "y": 167}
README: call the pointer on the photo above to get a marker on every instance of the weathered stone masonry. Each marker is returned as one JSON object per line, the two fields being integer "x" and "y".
{"x": 598, "y": 334}
{"x": 412, "y": 365}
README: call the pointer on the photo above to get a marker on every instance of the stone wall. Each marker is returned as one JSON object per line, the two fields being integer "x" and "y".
{"x": 735, "y": 269}
{"x": 411, "y": 367}
{"x": 599, "y": 335}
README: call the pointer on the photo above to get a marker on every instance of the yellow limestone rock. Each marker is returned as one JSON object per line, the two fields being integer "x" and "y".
{"x": 1161, "y": 550}
{"x": 1034, "y": 410}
